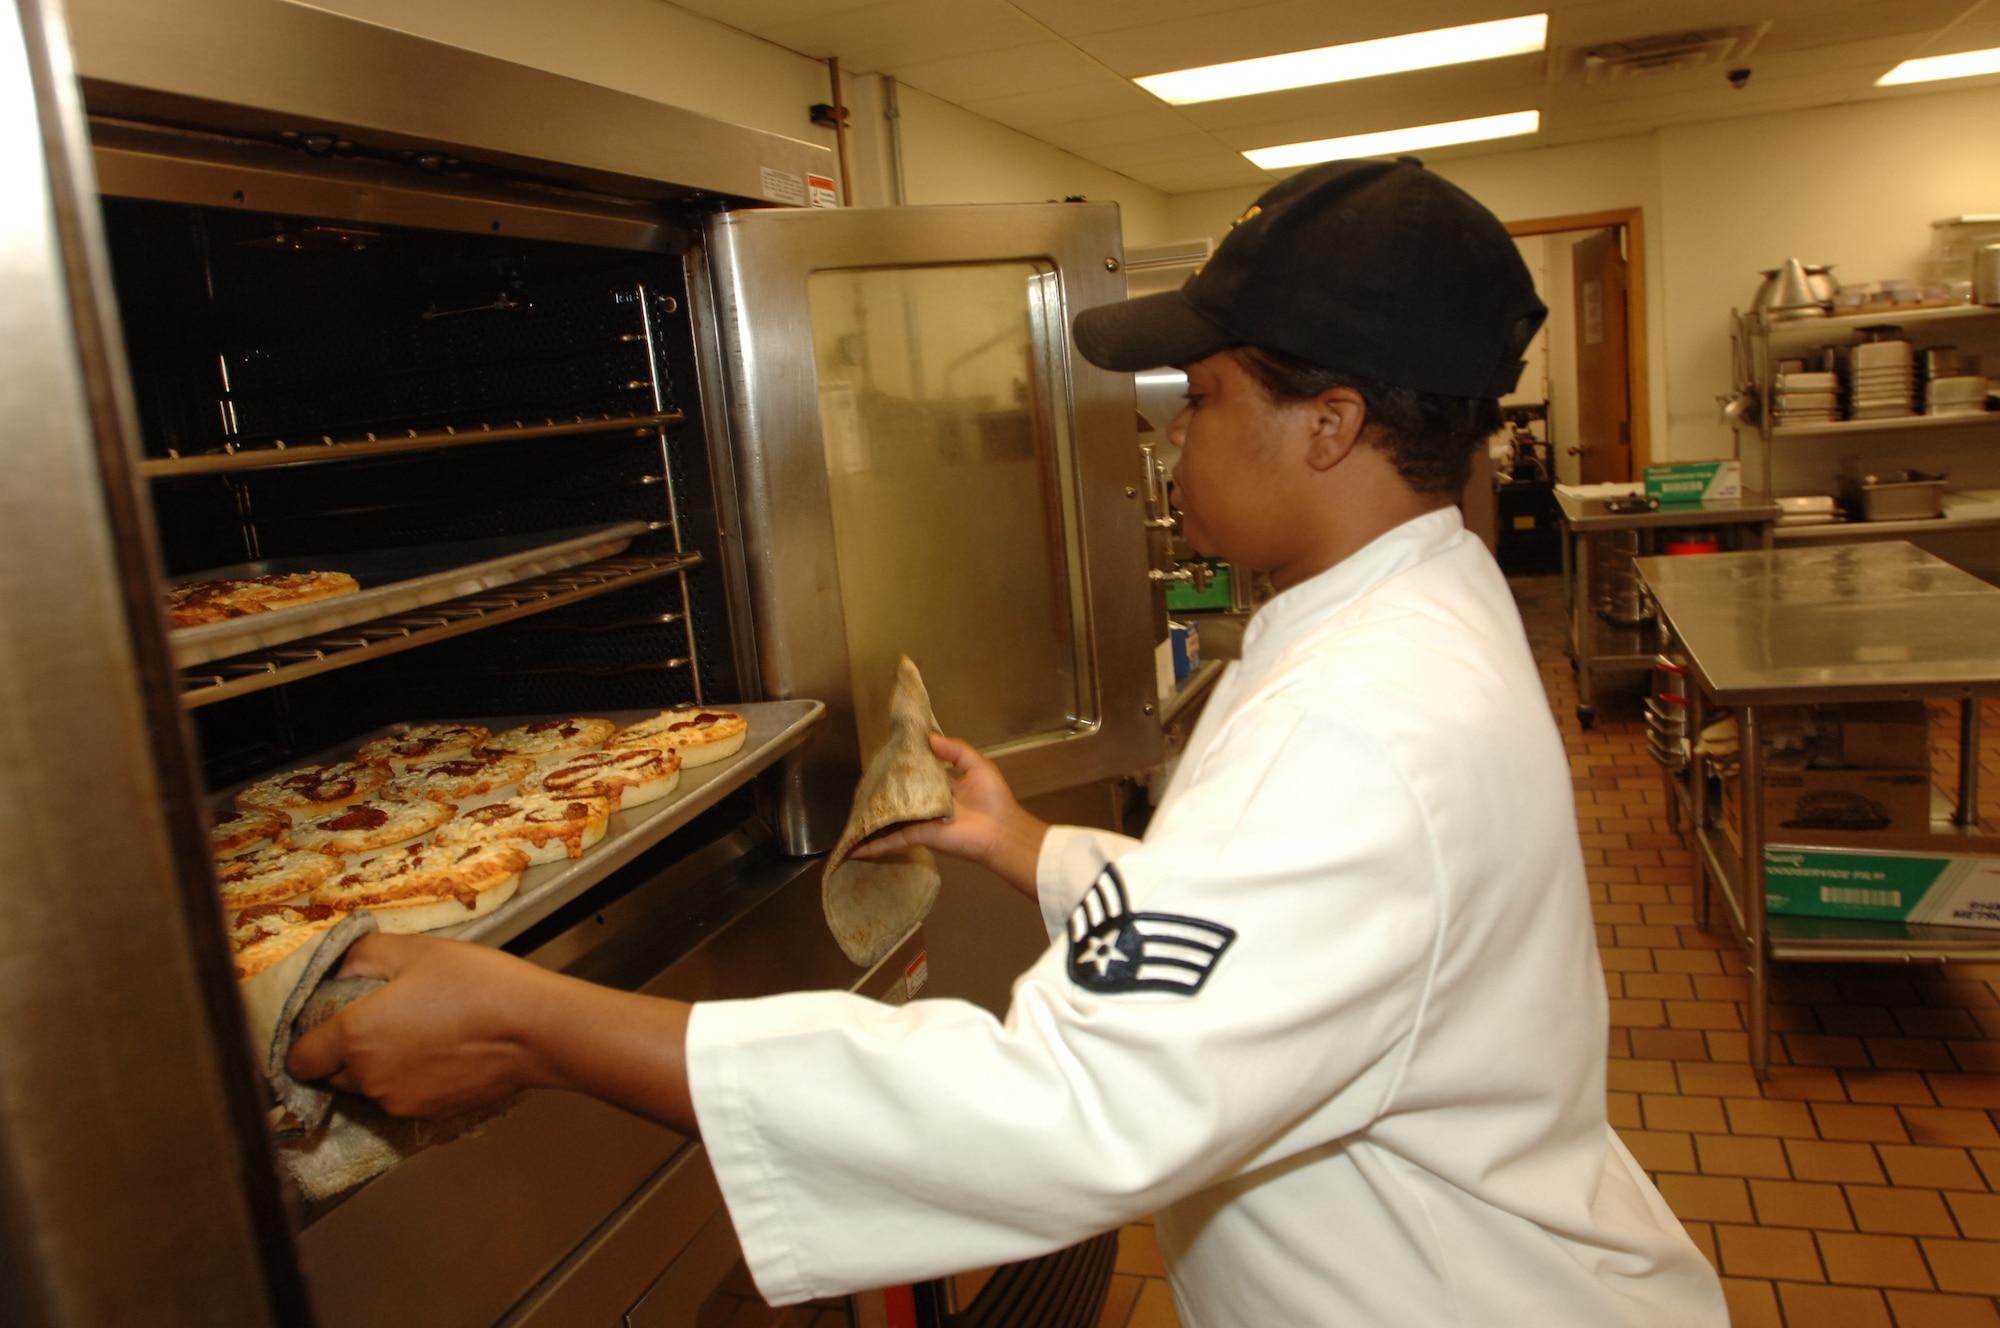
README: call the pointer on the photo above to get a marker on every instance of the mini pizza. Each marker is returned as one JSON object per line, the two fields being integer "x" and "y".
{"x": 253, "y": 927}
{"x": 625, "y": 779}
{"x": 246, "y": 828}
{"x": 196, "y": 602}
{"x": 271, "y": 946}
{"x": 700, "y": 736}
{"x": 422, "y": 888}
{"x": 316, "y": 788}
{"x": 273, "y": 876}
{"x": 412, "y": 744}
{"x": 553, "y": 740}
{"x": 545, "y": 826}
{"x": 367, "y": 826}
{"x": 460, "y": 780}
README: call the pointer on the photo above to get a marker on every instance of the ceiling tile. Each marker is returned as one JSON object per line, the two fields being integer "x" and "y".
{"x": 1154, "y": 151}
{"x": 1961, "y": 37}
{"x": 884, "y": 36}
{"x": 1017, "y": 69}
{"x": 1194, "y": 177}
{"x": 1089, "y": 101}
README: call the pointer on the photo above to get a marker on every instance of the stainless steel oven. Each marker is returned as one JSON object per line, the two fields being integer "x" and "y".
{"x": 601, "y": 429}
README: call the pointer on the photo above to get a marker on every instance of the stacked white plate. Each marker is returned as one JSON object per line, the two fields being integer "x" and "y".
{"x": 1806, "y": 398}
{"x": 1961, "y": 394}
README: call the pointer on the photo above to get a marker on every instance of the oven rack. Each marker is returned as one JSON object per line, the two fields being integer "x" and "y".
{"x": 274, "y": 452}
{"x": 358, "y": 643}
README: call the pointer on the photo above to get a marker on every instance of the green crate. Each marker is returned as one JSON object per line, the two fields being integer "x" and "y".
{"x": 1183, "y": 595}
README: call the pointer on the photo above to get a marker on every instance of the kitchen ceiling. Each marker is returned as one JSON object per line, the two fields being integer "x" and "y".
{"x": 1060, "y": 70}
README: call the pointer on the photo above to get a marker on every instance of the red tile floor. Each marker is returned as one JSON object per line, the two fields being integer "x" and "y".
{"x": 1858, "y": 1186}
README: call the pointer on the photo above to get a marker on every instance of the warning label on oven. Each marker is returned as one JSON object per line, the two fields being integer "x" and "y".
{"x": 784, "y": 187}
{"x": 917, "y": 974}
{"x": 820, "y": 190}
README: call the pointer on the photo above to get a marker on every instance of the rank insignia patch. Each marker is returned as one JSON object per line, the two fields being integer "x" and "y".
{"x": 1112, "y": 949}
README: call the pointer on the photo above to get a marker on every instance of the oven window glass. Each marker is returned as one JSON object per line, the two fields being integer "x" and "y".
{"x": 947, "y": 448}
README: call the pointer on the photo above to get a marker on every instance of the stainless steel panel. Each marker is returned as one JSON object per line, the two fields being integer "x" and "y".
{"x": 263, "y": 67}
{"x": 807, "y": 621}
{"x": 564, "y": 1210}
{"x": 677, "y": 1298}
{"x": 1836, "y": 623}
{"x": 132, "y": 1187}
{"x": 453, "y": 1237}
{"x": 144, "y": 161}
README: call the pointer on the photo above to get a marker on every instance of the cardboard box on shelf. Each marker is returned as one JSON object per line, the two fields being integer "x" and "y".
{"x": 1695, "y": 481}
{"x": 1888, "y": 801}
{"x": 1939, "y": 889}
{"x": 1885, "y": 735}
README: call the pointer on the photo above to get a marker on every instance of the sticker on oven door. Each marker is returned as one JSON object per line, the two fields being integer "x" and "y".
{"x": 783, "y": 186}
{"x": 819, "y": 192}
{"x": 916, "y": 975}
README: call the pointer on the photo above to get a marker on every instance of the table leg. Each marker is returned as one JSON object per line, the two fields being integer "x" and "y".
{"x": 1968, "y": 763}
{"x": 1697, "y": 773}
{"x": 1581, "y": 608}
{"x": 1756, "y": 932}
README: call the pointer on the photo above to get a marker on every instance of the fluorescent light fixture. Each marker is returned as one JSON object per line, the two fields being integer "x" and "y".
{"x": 1391, "y": 141}
{"x": 1365, "y": 59}
{"x": 1965, "y": 64}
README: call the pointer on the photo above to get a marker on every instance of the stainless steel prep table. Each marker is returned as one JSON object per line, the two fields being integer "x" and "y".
{"x": 1600, "y": 646}
{"x": 1855, "y": 622}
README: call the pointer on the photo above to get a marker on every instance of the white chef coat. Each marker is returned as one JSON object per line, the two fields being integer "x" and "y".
{"x": 1354, "y": 1061}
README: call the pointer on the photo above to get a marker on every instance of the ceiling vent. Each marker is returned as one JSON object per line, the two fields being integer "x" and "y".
{"x": 1665, "y": 53}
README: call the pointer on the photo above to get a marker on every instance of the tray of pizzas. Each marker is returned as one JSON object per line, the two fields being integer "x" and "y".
{"x": 474, "y": 829}
{"x": 226, "y": 611}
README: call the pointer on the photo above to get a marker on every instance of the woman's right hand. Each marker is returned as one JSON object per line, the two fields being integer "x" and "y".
{"x": 986, "y": 825}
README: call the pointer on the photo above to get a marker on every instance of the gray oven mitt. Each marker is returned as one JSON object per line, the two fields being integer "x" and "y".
{"x": 329, "y": 1143}
{"x": 313, "y": 1001}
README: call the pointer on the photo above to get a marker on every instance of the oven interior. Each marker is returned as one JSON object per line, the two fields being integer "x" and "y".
{"x": 248, "y": 332}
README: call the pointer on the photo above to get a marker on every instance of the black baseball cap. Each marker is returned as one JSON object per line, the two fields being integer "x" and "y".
{"x": 1380, "y": 269}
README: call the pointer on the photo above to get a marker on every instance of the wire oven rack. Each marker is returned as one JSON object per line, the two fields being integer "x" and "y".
{"x": 257, "y": 670}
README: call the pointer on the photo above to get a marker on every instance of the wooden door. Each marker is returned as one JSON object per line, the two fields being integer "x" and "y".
{"x": 1603, "y": 373}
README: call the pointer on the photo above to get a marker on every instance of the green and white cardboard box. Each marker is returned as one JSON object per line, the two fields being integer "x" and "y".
{"x": 1695, "y": 481}
{"x": 1936, "y": 888}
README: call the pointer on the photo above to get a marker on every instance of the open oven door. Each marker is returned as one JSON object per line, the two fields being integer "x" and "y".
{"x": 925, "y": 467}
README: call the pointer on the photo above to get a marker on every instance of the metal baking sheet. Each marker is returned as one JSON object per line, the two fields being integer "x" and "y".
{"x": 776, "y": 727}
{"x": 394, "y": 581}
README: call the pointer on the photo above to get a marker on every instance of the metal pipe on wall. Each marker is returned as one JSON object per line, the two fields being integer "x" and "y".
{"x": 839, "y": 114}
{"x": 892, "y": 111}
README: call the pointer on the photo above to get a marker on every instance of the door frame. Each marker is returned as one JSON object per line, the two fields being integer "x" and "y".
{"x": 1638, "y": 364}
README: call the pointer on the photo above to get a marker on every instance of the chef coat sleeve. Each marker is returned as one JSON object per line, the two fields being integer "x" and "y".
{"x": 860, "y": 1145}
{"x": 1072, "y": 856}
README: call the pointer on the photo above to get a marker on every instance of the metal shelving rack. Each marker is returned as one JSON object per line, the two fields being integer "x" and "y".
{"x": 1778, "y": 627}
{"x": 1775, "y": 457}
